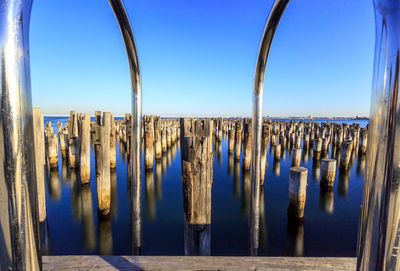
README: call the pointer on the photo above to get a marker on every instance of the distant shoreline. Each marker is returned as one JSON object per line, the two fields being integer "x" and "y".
{"x": 267, "y": 117}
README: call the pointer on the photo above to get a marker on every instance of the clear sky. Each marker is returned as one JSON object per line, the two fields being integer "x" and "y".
{"x": 197, "y": 57}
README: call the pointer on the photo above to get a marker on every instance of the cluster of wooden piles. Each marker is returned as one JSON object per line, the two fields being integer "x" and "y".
{"x": 300, "y": 138}
{"x": 196, "y": 138}
{"x": 80, "y": 133}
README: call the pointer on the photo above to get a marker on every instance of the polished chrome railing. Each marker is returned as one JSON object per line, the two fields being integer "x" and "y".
{"x": 19, "y": 231}
{"x": 379, "y": 237}
{"x": 269, "y": 32}
{"x": 379, "y": 233}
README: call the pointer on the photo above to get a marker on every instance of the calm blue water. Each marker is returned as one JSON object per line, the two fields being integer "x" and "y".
{"x": 329, "y": 229}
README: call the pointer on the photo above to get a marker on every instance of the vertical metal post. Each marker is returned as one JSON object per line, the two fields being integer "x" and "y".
{"x": 269, "y": 32}
{"x": 19, "y": 231}
{"x": 379, "y": 235}
{"x": 136, "y": 138}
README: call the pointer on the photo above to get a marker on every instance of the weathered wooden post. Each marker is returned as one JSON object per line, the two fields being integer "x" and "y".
{"x": 102, "y": 155}
{"x": 297, "y": 192}
{"x": 345, "y": 154}
{"x": 40, "y": 164}
{"x": 85, "y": 149}
{"x": 169, "y": 136}
{"x": 273, "y": 138}
{"x": 238, "y": 140}
{"x": 231, "y": 140}
{"x": 98, "y": 117}
{"x": 48, "y": 131}
{"x": 52, "y": 150}
{"x": 363, "y": 141}
{"x": 292, "y": 139}
{"x": 296, "y": 157}
{"x": 297, "y": 144}
{"x": 73, "y": 142}
{"x": 163, "y": 140}
{"x": 339, "y": 137}
{"x": 148, "y": 142}
{"x": 246, "y": 145}
{"x": 306, "y": 138}
{"x": 328, "y": 172}
{"x": 197, "y": 174}
{"x": 113, "y": 149}
{"x": 282, "y": 139}
{"x": 277, "y": 151}
{"x": 63, "y": 140}
{"x": 178, "y": 132}
{"x": 317, "y": 147}
{"x": 325, "y": 145}
{"x": 219, "y": 129}
{"x": 157, "y": 138}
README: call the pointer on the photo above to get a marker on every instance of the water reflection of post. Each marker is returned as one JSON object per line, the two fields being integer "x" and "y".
{"x": 197, "y": 168}
{"x": 150, "y": 199}
{"x": 169, "y": 158}
{"x": 105, "y": 236}
{"x": 89, "y": 239}
{"x": 263, "y": 224}
{"x": 136, "y": 195}
{"x": 54, "y": 187}
{"x": 158, "y": 180}
{"x": 64, "y": 171}
{"x": 276, "y": 167}
{"x": 295, "y": 231}
{"x": 75, "y": 194}
{"x": 164, "y": 162}
{"x": 173, "y": 150}
{"x": 114, "y": 192}
{"x": 219, "y": 153}
{"x": 246, "y": 193}
{"x": 236, "y": 179}
{"x": 326, "y": 198}
{"x": 316, "y": 173}
{"x": 230, "y": 164}
{"x": 304, "y": 155}
{"x": 361, "y": 164}
{"x": 344, "y": 176}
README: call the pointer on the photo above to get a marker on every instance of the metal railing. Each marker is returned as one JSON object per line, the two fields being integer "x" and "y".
{"x": 380, "y": 216}
{"x": 19, "y": 249}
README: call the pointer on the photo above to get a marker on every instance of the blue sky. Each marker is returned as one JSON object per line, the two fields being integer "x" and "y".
{"x": 197, "y": 57}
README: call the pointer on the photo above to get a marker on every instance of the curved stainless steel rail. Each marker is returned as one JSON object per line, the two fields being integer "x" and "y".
{"x": 136, "y": 130}
{"x": 269, "y": 32}
{"x": 19, "y": 231}
{"x": 379, "y": 235}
